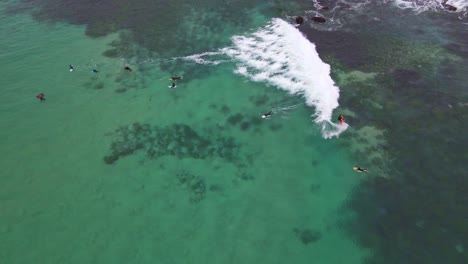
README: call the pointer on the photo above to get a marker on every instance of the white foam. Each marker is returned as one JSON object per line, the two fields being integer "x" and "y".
{"x": 330, "y": 129}
{"x": 199, "y": 58}
{"x": 431, "y": 5}
{"x": 461, "y": 5}
{"x": 280, "y": 55}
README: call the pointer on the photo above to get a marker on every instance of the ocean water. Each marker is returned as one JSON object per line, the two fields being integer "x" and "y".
{"x": 117, "y": 167}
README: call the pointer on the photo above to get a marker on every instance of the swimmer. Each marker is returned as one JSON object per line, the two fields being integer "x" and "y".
{"x": 94, "y": 71}
{"x": 173, "y": 85}
{"x": 341, "y": 118}
{"x": 176, "y": 78}
{"x": 267, "y": 115}
{"x": 71, "y": 68}
{"x": 359, "y": 169}
{"x": 41, "y": 97}
{"x": 128, "y": 68}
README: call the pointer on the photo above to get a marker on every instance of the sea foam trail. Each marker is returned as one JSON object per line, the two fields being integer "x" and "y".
{"x": 280, "y": 55}
{"x": 431, "y": 5}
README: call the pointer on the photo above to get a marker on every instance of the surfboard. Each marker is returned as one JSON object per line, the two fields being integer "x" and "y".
{"x": 356, "y": 169}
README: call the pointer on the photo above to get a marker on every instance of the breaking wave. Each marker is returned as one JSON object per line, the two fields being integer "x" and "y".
{"x": 278, "y": 54}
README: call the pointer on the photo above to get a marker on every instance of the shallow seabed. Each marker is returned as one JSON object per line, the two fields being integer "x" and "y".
{"x": 116, "y": 167}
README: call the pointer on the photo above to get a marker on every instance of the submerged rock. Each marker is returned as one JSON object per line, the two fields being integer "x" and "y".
{"x": 319, "y": 19}
{"x": 299, "y": 20}
{"x": 307, "y": 236}
{"x": 450, "y": 7}
{"x": 178, "y": 140}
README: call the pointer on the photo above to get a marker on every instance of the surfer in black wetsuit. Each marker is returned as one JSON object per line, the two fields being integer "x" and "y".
{"x": 173, "y": 78}
{"x": 127, "y": 68}
{"x": 94, "y": 71}
{"x": 359, "y": 169}
{"x": 267, "y": 115}
{"x": 71, "y": 68}
{"x": 173, "y": 85}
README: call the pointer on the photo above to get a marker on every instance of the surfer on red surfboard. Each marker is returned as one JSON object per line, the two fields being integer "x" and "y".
{"x": 341, "y": 118}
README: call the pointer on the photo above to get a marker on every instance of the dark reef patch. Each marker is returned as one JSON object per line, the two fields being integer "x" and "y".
{"x": 422, "y": 133}
{"x": 259, "y": 100}
{"x": 275, "y": 126}
{"x": 130, "y": 81}
{"x": 235, "y": 119}
{"x": 148, "y": 20}
{"x": 307, "y": 236}
{"x": 245, "y": 176}
{"x": 111, "y": 53}
{"x": 120, "y": 90}
{"x": 195, "y": 185}
{"x": 99, "y": 86}
{"x": 406, "y": 75}
{"x": 215, "y": 188}
{"x": 418, "y": 213}
{"x": 178, "y": 140}
{"x": 314, "y": 187}
{"x": 225, "y": 109}
{"x": 245, "y": 123}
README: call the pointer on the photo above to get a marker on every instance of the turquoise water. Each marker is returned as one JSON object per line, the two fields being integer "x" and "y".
{"x": 115, "y": 167}
{"x": 61, "y": 203}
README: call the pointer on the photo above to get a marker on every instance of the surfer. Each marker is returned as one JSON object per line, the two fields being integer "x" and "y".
{"x": 94, "y": 71}
{"x": 173, "y": 85}
{"x": 341, "y": 118}
{"x": 127, "y": 68}
{"x": 41, "y": 97}
{"x": 71, "y": 68}
{"x": 267, "y": 115}
{"x": 359, "y": 169}
{"x": 174, "y": 78}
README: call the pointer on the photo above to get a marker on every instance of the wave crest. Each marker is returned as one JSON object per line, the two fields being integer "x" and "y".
{"x": 278, "y": 54}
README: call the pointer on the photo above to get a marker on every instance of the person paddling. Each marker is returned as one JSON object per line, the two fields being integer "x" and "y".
{"x": 41, "y": 97}
{"x": 267, "y": 115}
{"x": 127, "y": 68}
{"x": 359, "y": 169}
